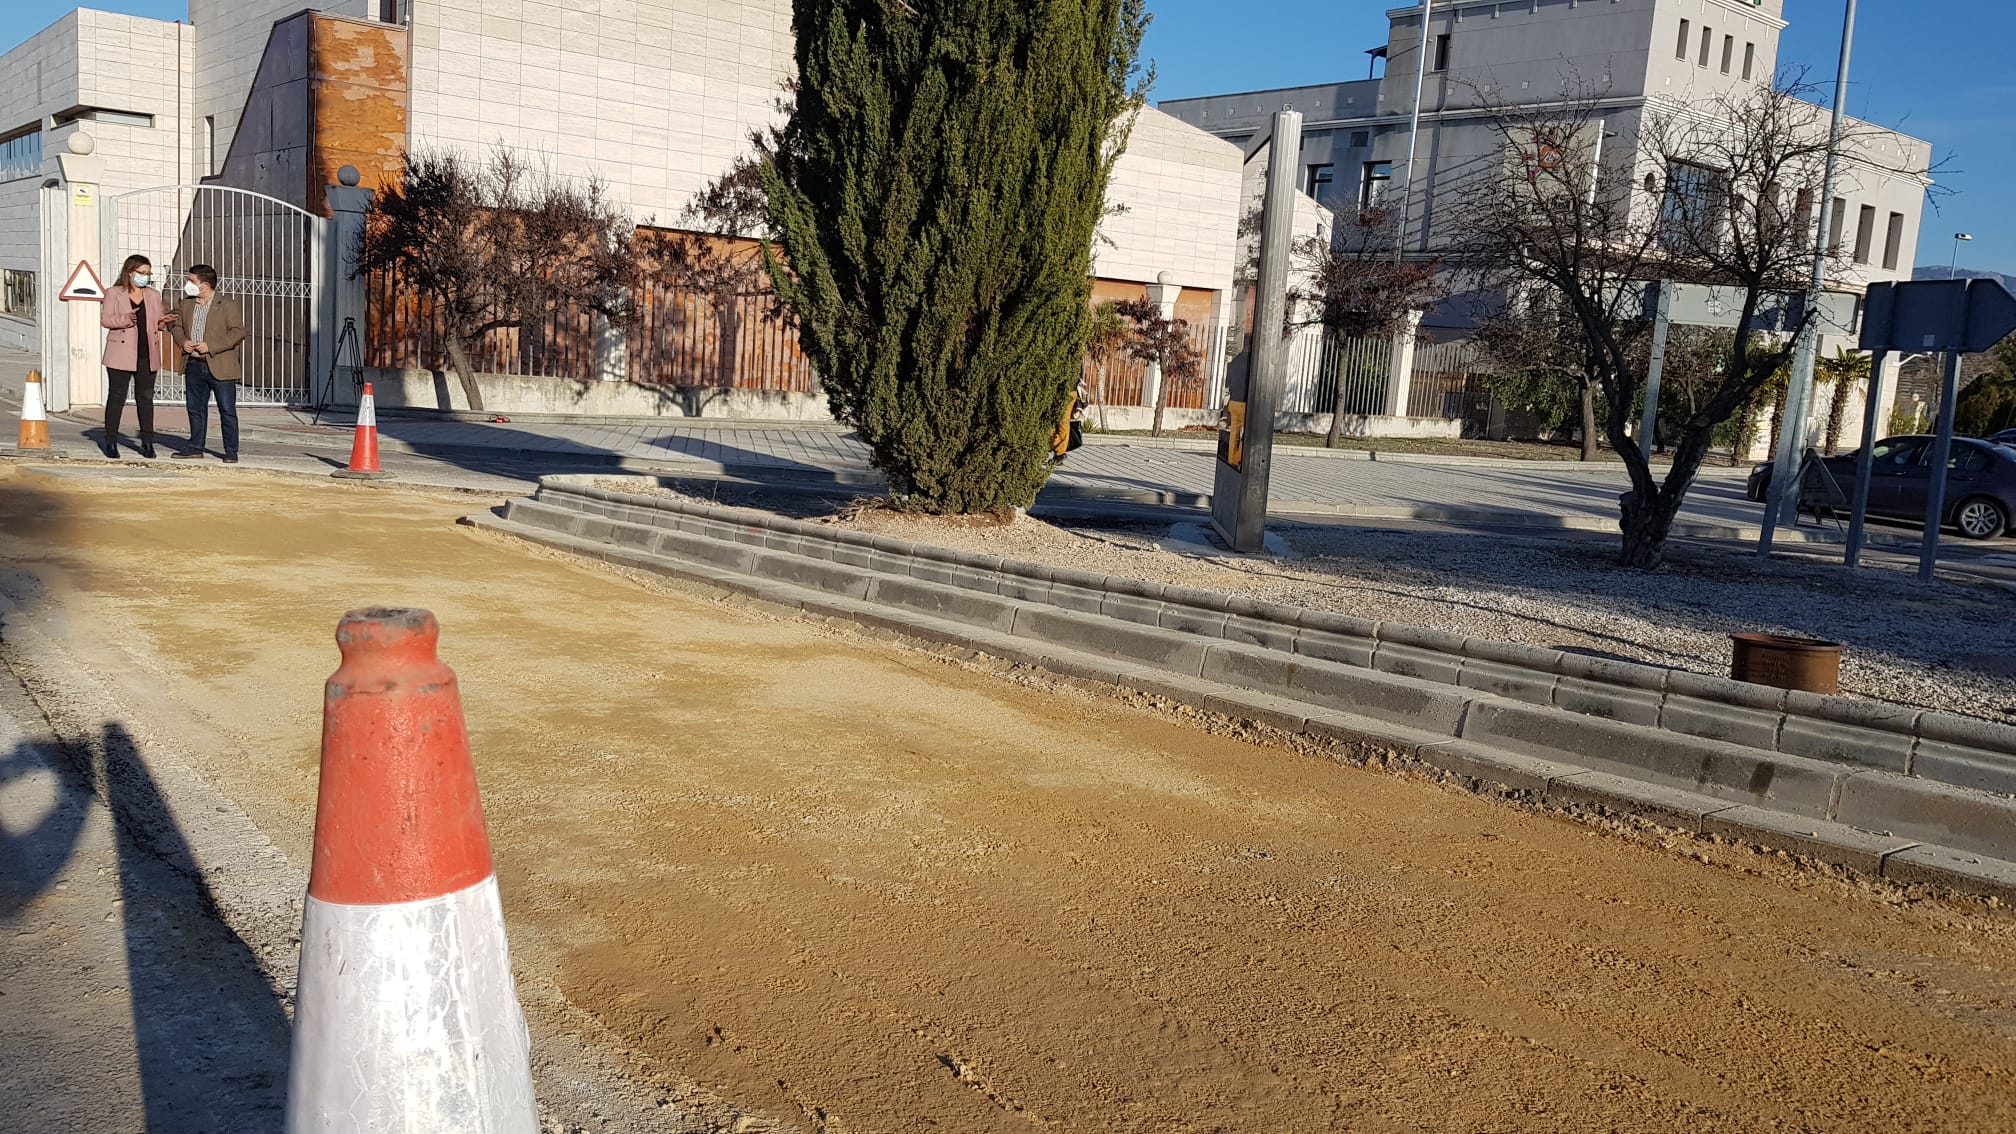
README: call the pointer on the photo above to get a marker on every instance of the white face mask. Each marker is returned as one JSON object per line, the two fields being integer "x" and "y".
{"x": 142, "y": 279}
{"x": 191, "y": 290}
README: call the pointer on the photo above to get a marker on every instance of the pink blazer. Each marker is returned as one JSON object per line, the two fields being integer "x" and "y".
{"x": 122, "y": 338}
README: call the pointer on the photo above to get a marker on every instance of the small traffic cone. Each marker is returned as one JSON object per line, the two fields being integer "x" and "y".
{"x": 364, "y": 449}
{"x": 405, "y": 1018}
{"x": 34, "y": 419}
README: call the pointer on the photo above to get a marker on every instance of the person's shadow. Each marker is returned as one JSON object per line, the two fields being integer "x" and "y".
{"x": 210, "y": 1031}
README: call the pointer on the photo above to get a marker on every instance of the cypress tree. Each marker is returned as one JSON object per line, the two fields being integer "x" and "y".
{"x": 935, "y": 195}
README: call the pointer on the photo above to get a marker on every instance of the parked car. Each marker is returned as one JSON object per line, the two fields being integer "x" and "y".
{"x": 2006, "y": 437}
{"x": 1980, "y": 482}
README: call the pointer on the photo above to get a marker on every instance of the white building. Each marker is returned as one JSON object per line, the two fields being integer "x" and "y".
{"x": 654, "y": 97}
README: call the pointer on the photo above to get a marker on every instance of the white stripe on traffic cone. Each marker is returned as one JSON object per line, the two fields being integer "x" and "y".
{"x": 406, "y": 1018}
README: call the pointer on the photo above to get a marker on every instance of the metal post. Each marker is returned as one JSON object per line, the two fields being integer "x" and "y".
{"x": 1784, "y": 502}
{"x": 1648, "y": 421}
{"x": 1413, "y": 133}
{"x": 1942, "y": 453}
{"x": 1246, "y": 530}
{"x": 1865, "y": 462}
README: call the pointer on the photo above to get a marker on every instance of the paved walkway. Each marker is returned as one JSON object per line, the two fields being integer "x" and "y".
{"x": 1527, "y": 494}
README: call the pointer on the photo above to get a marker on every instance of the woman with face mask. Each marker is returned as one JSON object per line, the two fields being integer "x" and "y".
{"x": 133, "y": 315}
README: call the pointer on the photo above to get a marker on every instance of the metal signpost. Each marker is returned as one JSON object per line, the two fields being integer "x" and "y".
{"x": 1952, "y": 316}
{"x": 1246, "y": 451}
{"x": 1700, "y": 305}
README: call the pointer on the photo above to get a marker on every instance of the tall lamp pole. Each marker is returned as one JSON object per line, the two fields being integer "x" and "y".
{"x": 1784, "y": 491}
{"x": 1413, "y": 132}
{"x": 1953, "y": 273}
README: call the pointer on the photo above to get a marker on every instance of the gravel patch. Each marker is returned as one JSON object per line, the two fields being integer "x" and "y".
{"x": 1950, "y": 646}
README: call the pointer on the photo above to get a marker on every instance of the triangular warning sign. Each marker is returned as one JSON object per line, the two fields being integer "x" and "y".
{"x": 83, "y": 285}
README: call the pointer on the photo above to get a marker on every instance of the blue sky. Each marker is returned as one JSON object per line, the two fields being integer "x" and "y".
{"x": 1937, "y": 71}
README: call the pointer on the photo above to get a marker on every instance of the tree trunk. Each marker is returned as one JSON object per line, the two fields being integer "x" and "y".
{"x": 1778, "y": 421}
{"x": 459, "y": 359}
{"x": 1161, "y": 402}
{"x": 1837, "y": 408}
{"x": 1647, "y": 518}
{"x": 1337, "y": 412}
{"x": 1588, "y": 422}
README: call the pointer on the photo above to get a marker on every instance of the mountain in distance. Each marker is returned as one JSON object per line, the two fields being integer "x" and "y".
{"x": 1938, "y": 272}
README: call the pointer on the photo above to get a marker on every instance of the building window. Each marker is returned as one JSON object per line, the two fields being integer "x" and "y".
{"x": 1707, "y": 44}
{"x": 1865, "y": 233}
{"x": 1692, "y": 198}
{"x": 1893, "y": 242}
{"x": 21, "y": 155}
{"x": 1686, "y": 37}
{"x": 1360, "y": 139}
{"x": 17, "y": 296}
{"x": 1749, "y": 61}
{"x": 1441, "y": 53}
{"x": 1322, "y": 183}
{"x": 209, "y": 145}
{"x": 1728, "y": 53}
{"x": 388, "y": 11}
{"x": 1836, "y": 223}
{"x": 1377, "y": 179}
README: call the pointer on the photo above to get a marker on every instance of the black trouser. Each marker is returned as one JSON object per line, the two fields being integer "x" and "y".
{"x": 142, "y": 384}
{"x": 198, "y": 385}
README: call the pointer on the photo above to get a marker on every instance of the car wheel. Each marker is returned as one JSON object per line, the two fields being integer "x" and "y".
{"x": 1980, "y": 518}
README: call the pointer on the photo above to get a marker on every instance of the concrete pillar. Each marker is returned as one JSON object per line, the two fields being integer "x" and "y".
{"x": 83, "y": 173}
{"x": 340, "y": 296}
{"x": 1163, "y": 295}
{"x": 52, "y": 316}
{"x": 1400, "y": 371}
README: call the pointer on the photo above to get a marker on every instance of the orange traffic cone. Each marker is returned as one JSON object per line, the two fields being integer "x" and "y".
{"x": 406, "y": 1018}
{"x": 364, "y": 449}
{"x": 34, "y": 419}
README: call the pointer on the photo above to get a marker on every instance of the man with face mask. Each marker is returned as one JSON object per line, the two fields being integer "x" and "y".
{"x": 209, "y": 329}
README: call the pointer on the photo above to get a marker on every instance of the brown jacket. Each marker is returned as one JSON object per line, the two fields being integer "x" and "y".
{"x": 223, "y": 334}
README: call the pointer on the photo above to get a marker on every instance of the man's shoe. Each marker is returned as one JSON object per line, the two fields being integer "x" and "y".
{"x": 188, "y": 455}
{"x": 230, "y": 458}
{"x": 147, "y": 449}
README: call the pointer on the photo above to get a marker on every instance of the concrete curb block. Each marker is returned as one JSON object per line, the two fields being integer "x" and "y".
{"x": 1560, "y": 783}
{"x": 1962, "y": 752}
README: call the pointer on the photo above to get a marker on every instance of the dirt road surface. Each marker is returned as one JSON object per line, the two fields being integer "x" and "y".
{"x": 853, "y": 887}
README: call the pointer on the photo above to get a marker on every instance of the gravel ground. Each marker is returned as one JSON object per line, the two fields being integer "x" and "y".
{"x": 1951, "y": 646}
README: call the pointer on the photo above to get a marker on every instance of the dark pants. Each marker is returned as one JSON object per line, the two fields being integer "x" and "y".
{"x": 141, "y": 382}
{"x": 198, "y": 386}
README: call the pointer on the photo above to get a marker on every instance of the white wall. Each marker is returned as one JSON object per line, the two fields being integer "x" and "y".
{"x": 657, "y": 97}
{"x": 103, "y": 60}
{"x": 1181, "y": 188}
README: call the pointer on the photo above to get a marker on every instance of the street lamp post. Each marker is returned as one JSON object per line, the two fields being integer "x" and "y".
{"x": 1953, "y": 272}
{"x": 1413, "y": 133}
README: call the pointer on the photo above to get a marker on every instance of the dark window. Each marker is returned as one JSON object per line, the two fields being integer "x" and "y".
{"x": 1865, "y": 233}
{"x": 1377, "y": 178}
{"x": 1969, "y": 458}
{"x": 1707, "y": 44}
{"x": 1360, "y": 139}
{"x": 21, "y": 155}
{"x": 1441, "y": 53}
{"x": 1893, "y": 241}
{"x": 1836, "y": 223}
{"x": 1749, "y": 61}
{"x": 1692, "y": 200}
{"x": 1728, "y": 53}
{"x": 1680, "y": 51}
{"x": 1322, "y": 183}
{"x": 1897, "y": 453}
{"x": 18, "y": 296}
{"x": 388, "y": 11}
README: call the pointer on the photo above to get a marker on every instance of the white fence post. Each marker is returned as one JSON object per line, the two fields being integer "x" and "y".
{"x": 1400, "y": 373}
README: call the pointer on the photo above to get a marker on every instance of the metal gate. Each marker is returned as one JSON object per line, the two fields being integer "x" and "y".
{"x": 268, "y": 258}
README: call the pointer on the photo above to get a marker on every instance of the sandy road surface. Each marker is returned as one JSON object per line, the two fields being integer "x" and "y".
{"x": 856, "y": 888}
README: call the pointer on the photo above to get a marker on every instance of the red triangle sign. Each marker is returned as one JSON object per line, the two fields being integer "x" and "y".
{"x": 83, "y": 285}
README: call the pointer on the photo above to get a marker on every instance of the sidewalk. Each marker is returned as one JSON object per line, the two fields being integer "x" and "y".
{"x": 1497, "y": 493}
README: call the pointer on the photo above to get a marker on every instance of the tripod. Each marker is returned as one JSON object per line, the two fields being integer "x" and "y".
{"x": 356, "y": 366}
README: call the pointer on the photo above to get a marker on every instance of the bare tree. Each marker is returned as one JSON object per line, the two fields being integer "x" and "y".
{"x": 498, "y": 245}
{"x": 1713, "y": 208}
{"x": 1160, "y": 342}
